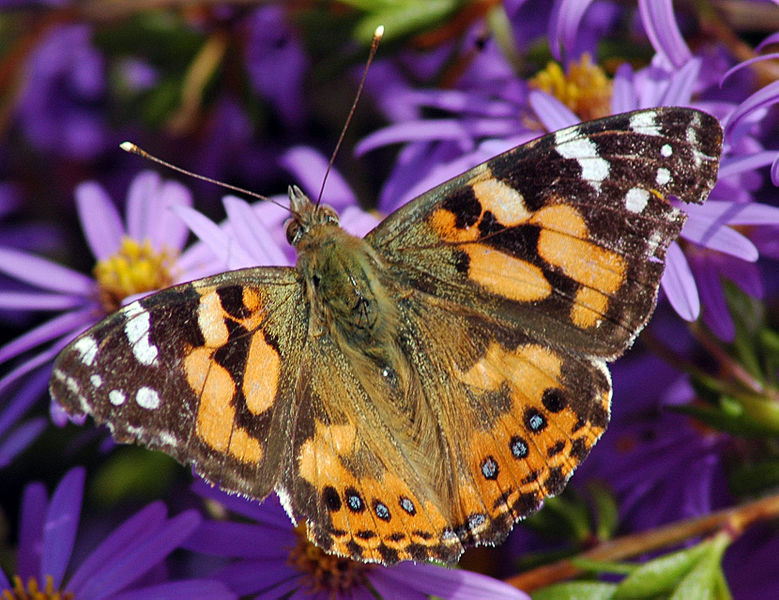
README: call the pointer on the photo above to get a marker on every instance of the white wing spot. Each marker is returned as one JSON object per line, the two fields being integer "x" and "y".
{"x": 636, "y": 200}
{"x": 96, "y": 380}
{"x": 286, "y": 502}
{"x": 147, "y": 398}
{"x": 584, "y": 151}
{"x": 666, "y": 150}
{"x": 663, "y": 176}
{"x": 87, "y": 349}
{"x": 72, "y": 386}
{"x": 168, "y": 439}
{"x": 117, "y": 397}
{"x": 137, "y": 329}
{"x": 644, "y": 122}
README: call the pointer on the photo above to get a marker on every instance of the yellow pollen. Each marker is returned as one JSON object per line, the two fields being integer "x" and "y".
{"x": 584, "y": 87}
{"x": 33, "y": 592}
{"x": 133, "y": 269}
{"x": 324, "y": 572}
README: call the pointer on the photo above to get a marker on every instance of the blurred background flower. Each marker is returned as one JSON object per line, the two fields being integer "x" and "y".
{"x": 256, "y": 94}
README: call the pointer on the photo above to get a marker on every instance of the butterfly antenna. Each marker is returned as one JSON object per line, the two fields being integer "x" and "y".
{"x": 377, "y": 35}
{"x": 133, "y": 149}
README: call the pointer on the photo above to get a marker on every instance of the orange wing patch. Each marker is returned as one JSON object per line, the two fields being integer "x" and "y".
{"x": 378, "y": 518}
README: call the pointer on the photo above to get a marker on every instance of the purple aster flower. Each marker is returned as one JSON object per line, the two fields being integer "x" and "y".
{"x": 254, "y": 235}
{"x": 132, "y": 259}
{"x": 118, "y": 567}
{"x": 271, "y": 558}
{"x": 276, "y": 62}
{"x": 65, "y": 83}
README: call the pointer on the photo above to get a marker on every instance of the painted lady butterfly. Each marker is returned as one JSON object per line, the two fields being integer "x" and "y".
{"x": 421, "y": 389}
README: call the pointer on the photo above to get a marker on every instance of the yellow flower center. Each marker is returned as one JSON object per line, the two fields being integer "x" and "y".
{"x": 324, "y": 572}
{"x": 33, "y": 592}
{"x": 584, "y": 87}
{"x": 135, "y": 268}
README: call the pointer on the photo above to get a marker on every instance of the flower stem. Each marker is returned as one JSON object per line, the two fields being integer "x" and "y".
{"x": 733, "y": 520}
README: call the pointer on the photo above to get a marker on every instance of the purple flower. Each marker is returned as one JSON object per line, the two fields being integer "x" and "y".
{"x": 269, "y": 557}
{"x": 254, "y": 235}
{"x": 276, "y": 62}
{"x": 65, "y": 84}
{"x": 133, "y": 258}
{"x": 118, "y": 567}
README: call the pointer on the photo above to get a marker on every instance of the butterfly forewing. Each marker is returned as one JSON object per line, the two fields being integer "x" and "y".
{"x": 566, "y": 234}
{"x": 203, "y": 371}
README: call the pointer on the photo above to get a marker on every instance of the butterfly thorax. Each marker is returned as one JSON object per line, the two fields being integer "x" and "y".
{"x": 343, "y": 277}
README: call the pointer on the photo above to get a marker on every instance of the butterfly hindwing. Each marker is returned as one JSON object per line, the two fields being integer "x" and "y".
{"x": 201, "y": 371}
{"x": 566, "y": 234}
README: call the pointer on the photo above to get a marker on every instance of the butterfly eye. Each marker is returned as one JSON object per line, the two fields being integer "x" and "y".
{"x": 328, "y": 215}
{"x": 293, "y": 231}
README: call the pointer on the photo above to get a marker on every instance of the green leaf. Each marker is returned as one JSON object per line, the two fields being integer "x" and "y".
{"x": 405, "y": 18}
{"x": 576, "y": 590}
{"x": 751, "y": 479}
{"x": 132, "y": 472}
{"x": 704, "y": 580}
{"x": 661, "y": 574}
{"x": 606, "y": 511}
{"x": 602, "y": 566}
{"x": 566, "y": 516}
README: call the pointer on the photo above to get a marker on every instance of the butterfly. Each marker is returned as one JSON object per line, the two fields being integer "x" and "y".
{"x": 419, "y": 390}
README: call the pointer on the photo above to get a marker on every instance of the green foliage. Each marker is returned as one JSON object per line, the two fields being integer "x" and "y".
{"x": 132, "y": 473}
{"x": 692, "y": 573}
{"x": 747, "y": 402}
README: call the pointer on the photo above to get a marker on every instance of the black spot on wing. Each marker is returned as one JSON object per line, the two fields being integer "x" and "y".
{"x": 462, "y": 202}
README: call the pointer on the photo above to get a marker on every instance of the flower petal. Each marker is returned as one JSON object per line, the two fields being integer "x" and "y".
{"x": 623, "y": 95}
{"x": 61, "y": 524}
{"x": 52, "y": 329}
{"x": 32, "y": 301}
{"x": 552, "y": 113}
{"x": 251, "y": 234}
{"x": 711, "y": 234}
{"x": 134, "y": 530}
{"x": 20, "y": 438}
{"x": 191, "y": 589}
{"x": 765, "y": 96}
{"x": 28, "y": 557}
{"x": 226, "y": 250}
{"x": 22, "y": 399}
{"x": 142, "y": 557}
{"x": 424, "y": 130}
{"x": 715, "y": 310}
{"x": 244, "y": 540}
{"x": 308, "y": 167}
{"x": 456, "y": 584}
{"x": 681, "y": 84}
{"x": 167, "y": 230}
{"x": 731, "y": 166}
{"x": 36, "y": 361}
{"x": 660, "y": 24}
{"x": 99, "y": 219}
{"x": 44, "y": 273}
{"x": 679, "y": 284}
{"x": 564, "y": 24}
{"x": 143, "y": 203}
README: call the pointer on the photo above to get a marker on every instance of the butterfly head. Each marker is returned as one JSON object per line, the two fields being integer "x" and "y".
{"x": 307, "y": 216}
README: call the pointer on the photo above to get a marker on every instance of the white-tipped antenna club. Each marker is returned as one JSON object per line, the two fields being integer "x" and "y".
{"x": 377, "y": 35}
{"x": 133, "y": 149}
